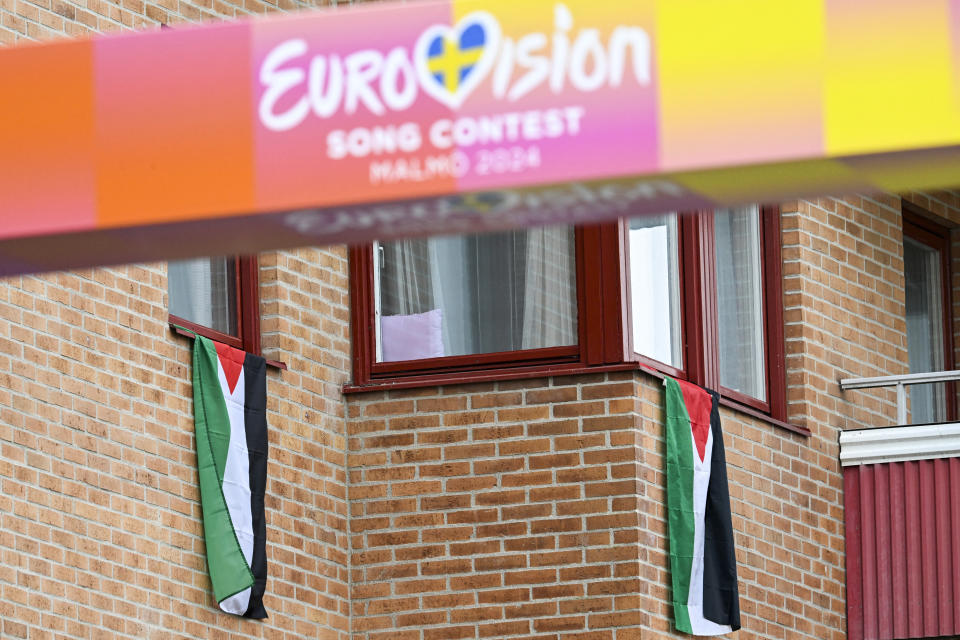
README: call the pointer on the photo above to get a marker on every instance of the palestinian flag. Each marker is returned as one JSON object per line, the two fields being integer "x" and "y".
{"x": 703, "y": 566}
{"x": 230, "y": 415}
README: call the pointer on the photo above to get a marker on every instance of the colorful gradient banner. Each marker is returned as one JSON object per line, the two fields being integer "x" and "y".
{"x": 332, "y": 111}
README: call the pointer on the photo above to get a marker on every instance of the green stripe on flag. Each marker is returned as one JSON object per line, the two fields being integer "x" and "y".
{"x": 679, "y": 450}
{"x": 206, "y": 365}
{"x": 229, "y": 571}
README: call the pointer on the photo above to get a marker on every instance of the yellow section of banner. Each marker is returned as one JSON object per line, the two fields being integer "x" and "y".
{"x": 739, "y": 80}
{"x": 890, "y": 82}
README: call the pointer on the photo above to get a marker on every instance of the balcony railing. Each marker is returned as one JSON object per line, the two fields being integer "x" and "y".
{"x": 900, "y": 382}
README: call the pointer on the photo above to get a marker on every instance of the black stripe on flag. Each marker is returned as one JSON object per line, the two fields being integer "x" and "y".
{"x": 721, "y": 596}
{"x": 255, "y": 406}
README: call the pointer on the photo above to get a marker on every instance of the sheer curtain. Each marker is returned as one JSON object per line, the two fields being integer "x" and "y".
{"x": 740, "y": 300}
{"x": 407, "y": 287}
{"x": 496, "y": 292}
{"x": 551, "y": 282}
{"x": 452, "y": 282}
{"x": 202, "y": 290}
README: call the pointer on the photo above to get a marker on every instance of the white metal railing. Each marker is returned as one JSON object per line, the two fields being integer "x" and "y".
{"x": 900, "y": 382}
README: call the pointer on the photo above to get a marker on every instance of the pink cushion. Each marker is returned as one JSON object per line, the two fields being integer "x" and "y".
{"x": 412, "y": 337}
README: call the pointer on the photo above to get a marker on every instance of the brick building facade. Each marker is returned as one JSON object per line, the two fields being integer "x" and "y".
{"x": 525, "y": 507}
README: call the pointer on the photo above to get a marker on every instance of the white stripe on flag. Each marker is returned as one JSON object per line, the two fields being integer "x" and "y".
{"x": 237, "y": 604}
{"x": 236, "y": 477}
{"x": 701, "y": 483}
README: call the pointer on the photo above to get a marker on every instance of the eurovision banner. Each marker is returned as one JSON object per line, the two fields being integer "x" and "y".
{"x": 388, "y": 120}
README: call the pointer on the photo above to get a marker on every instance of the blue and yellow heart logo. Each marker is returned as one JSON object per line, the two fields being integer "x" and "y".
{"x": 452, "y": 61}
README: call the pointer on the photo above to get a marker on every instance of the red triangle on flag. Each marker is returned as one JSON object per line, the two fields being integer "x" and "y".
{"x": 231, "y": 360}
{"x": 699, "y": 405}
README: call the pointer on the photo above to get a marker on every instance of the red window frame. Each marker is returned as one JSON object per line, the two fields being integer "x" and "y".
{"x": 699, "y": 317}
{"x": 599, "y": 325}
{"x": 603, "y": 322}
{"x": 918, "y": 226}
{"x": 247, "y": 310}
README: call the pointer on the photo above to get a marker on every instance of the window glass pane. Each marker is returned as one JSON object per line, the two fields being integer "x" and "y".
{"x": 203, "y": 291}
{"x": 655, "y": 288}
{"x": 740, "y": 301}
{"x": 479, "y": 293}
{"x": 921, "y": 267}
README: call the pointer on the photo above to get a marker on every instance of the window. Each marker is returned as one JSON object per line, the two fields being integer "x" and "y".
{"x": 696, "y": 296}
{"x": 705, "y": 301}
{"x": 739, "y": 291}
{"x": 217, "y": 298}
{"x": 655, "y": 284}
{"x": 475, "y": 306}
{"x": 926, "y": 271}
{"x": 475, "y": 294}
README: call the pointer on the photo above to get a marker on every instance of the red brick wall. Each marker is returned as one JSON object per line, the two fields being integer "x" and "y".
{"x": 99, "y": 512}
{"x": 844, "y": 310}
{"x": 305, "y": 324}
{"x": 496, "y": 510}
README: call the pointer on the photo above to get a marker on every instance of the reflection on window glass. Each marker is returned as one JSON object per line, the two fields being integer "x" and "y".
{"x": 740, "y": 300}
{"x": 655, "y": 288}
{"x": 479, "y": 293}
{"x": 921, "y": 270}
{"x": 203, "y": 291}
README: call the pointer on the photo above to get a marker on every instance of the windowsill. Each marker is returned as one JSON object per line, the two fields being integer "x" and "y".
{"x": 489, "y": 375}
{"x": 273, "y": 364}
{"x": 736, "y": 406}
{"x": 496, "y": 375}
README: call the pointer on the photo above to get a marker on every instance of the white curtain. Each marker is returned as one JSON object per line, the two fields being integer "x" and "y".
{"x": 548, "y": 318}
{"x": 451, "y": 282}
{"x": 740, "y": 301}
{"x": 200, "y": 290}
{"x": 407, "y": 287}
{"x": 498, "y": 292}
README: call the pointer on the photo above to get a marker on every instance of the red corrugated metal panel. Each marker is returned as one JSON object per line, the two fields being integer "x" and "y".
{"x": 898, "y": 540}
{"x": 851, "y": 492}
{"x": 955, "y": 524}
{"x": 911, "y": 485}
{"x": 903, "y": 549}
{"x": 941, "y": 469}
